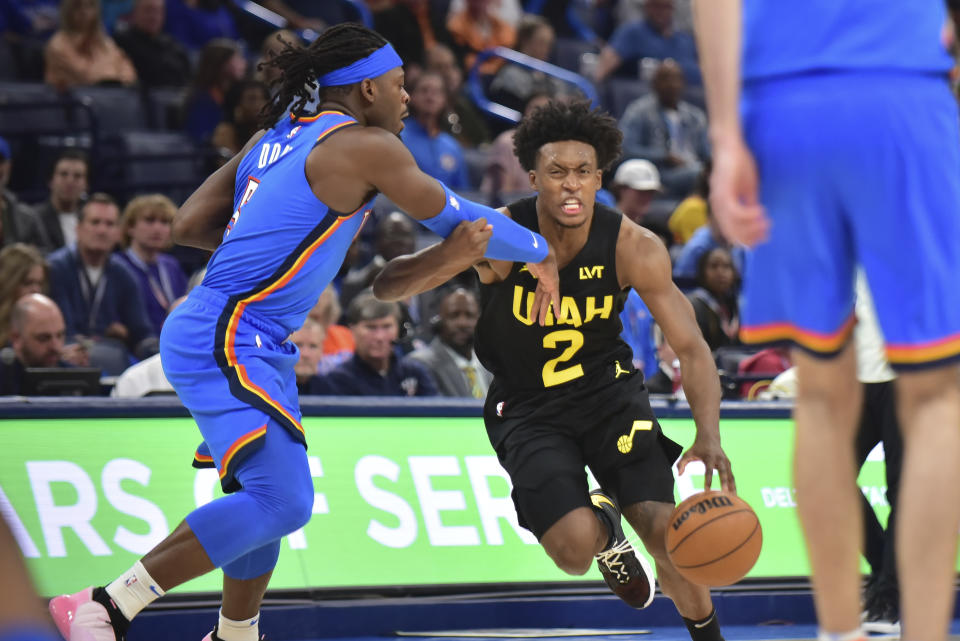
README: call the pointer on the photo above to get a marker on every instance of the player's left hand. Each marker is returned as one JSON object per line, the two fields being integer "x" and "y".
{"x": 548, "y": 286}
{"x": 709, "y": 452}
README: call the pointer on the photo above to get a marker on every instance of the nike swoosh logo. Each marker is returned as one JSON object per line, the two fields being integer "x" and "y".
{"x": 153, "y": 589}
{"x": 705, "y": 623}
{"x": 254, "y": 622}
{"x": 534, "y": 240}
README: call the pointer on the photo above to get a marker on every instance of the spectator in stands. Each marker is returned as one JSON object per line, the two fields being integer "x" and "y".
{"x": 450, "y": 356}
{"x": 68, "y": 183}
{"x": 514, "y": 85}
{"x": 18, "y": 223}
{"x": 241, "y": 110}
{"x": 510, "y": 11}
{"x": 99, "y": 297}
{"x": 309, "y": 339}
{"x": 394, "y": 236}
{"x": 221, "y": 66}
{"x": 159, "y": 59}
{"x": 475, "y": 28}
{"x": 195, "y": 23}
{"x": 664, "y": 129}
{"x": 703, "y": 240}
{"x": 691, "y": 214}
{"x": 145, "y": 378}
{"x": 655, "y": 36}
{"x": 463, "y": 121}
{"x": 504, "y": 175}
{"x": 337, "y": 339}
{"x": 375, "y": 369}
{"x": 715, "y": 299}
{"x": 81, "y": 52}
{"x": 635, "y": 185}
{"x": 23, "y": 271}
{"x": 36, "y": 340}
{"x": 146, "y": 235}
{"x": 272, "y": 45}
{"x": 437, "y": 152}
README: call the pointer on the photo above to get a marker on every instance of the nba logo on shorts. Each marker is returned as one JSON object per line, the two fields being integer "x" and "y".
{"x": 500, "y": 408}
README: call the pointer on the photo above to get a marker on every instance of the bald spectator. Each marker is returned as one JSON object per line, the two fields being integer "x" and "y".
{"x": 36, "y": 340}
{"x": 68, "y": 181}
{"x": 160, "y": 60}
{"x": 100, "y": 299}
{"x": 666, "y": 130}
{"x": 655, "y": 36}
{"x": 450, "y": 356}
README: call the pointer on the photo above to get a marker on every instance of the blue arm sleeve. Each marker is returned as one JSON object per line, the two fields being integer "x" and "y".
{"x": 510, "y": 241}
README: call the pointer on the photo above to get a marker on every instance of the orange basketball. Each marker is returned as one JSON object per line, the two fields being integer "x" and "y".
{"x": 713, "y": 538}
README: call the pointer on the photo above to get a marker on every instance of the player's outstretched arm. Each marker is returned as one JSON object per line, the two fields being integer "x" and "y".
{"x": 405, "y": 276}
{"x": 201, "y": 220}
{"x": 644, "y": 264}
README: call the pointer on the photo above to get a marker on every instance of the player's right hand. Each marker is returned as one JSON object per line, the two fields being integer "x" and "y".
{"x": 548, "y": 286}
{"x": 734, "y": 194}
{"x": 467, "y": 243}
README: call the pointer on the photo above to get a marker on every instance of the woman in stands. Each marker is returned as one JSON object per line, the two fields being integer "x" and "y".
{"x": 81, "y": 53}
{"x": 23, "y": 271}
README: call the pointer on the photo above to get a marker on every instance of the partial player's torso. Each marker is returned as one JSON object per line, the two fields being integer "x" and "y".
{"x": 582, "y": 338}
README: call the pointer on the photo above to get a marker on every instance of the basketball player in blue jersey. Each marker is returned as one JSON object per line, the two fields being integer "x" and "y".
{"x": 280, "y": 217}
{"x": 835, "y": 143}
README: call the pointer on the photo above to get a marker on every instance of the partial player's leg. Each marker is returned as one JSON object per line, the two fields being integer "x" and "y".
{"x": 242, "y": 595}
{"x": 826, "y": 414}
{"x": 928, "y": 511}
{"x": 649, "y": 519}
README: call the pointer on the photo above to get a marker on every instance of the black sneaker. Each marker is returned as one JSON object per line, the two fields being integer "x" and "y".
{"x": 882, "y": 614}
{"x": 212, "y": 636}
{"x": 627, "y": 573}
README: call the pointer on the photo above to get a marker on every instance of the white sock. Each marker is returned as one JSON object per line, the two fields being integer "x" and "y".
{"x": 246, "y": 630}
{"x": 134, "y": 590}
{"x": 853, "y": 635}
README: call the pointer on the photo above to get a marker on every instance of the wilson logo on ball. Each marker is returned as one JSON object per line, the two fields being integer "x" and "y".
{"x": 701, "y": 507}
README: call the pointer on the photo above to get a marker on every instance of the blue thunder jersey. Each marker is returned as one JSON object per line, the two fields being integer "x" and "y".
{"x": 786, "y": 38}
{"x": 282, "y": 245}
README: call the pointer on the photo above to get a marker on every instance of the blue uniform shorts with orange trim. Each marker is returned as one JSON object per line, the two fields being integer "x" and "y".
{"x": 234, "y": 373}
{"x": 856, "y": 168}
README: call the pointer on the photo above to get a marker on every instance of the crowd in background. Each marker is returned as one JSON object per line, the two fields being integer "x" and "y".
{"x": 88, "y": 275}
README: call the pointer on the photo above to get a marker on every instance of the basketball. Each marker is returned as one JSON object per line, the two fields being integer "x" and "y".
{"x": 713, "y": 538}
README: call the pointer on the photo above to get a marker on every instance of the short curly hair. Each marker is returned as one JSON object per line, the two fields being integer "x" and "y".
{"x": 568, "y": 120}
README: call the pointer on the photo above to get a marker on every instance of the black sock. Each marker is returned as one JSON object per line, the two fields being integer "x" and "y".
{"x": 117, "y": 620}
{"x": 706, "y": 629}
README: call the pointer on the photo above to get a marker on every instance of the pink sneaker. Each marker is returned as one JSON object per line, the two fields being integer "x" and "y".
{"x": 80, "y": 618}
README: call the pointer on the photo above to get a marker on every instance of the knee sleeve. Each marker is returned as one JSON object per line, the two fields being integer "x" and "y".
{"x": 254, "y": 564}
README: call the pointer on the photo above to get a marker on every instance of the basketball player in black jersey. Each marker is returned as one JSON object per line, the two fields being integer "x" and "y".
{"x": 566, "y": 394}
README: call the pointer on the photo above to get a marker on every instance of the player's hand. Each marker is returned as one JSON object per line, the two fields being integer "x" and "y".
{"x": 709, "y": 452}
{"x": 467, "y": 243}
{"x": 734, "y": 194}
{"x": 548, "y": 286}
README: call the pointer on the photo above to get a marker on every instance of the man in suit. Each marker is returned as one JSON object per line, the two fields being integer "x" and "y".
{"x": 68, "y": 184}
{"x": 450, "y": 356}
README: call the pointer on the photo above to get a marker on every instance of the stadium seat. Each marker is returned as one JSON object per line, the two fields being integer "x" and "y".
{"x": 620, "y": 92}
{"x": 164, "y": 107}
{"x": 165, "y": 162}
{"x": 115, "y": 109}
{"x": 34, "y": 109}
{"x": 568, "y": 52}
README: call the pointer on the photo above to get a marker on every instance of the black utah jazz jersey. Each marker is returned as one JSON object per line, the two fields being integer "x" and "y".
{"x": 577, "y": 344}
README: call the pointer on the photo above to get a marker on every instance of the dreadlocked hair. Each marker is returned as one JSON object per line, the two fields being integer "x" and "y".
{"x": 300, "y": 67}
{"x": 567, "y": 120}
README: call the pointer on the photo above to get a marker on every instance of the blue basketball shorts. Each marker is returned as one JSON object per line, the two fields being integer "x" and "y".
{"x": 233, "y": 370}
{"x": 856, "y": 168}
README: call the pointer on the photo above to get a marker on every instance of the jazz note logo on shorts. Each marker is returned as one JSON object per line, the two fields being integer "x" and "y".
{"x": 625, "y": 442}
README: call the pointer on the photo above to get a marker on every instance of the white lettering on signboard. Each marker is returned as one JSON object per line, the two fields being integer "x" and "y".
{"x": 405, "y": 533}
{"x": 54, "y": 518}
{"x": 27, "y": 546}
{"x": 433, "y": 502}
{"x": 481, "y": 469}
{"x": 113, "y": 473}
{"x": 298, "y": 539}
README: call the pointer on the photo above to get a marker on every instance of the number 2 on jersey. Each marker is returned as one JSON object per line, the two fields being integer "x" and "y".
{"x": 252, "y": 184}
{"x": 553, "y": 376}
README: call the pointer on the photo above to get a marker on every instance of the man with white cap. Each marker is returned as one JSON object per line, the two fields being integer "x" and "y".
{"x": 635, "y": 186}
